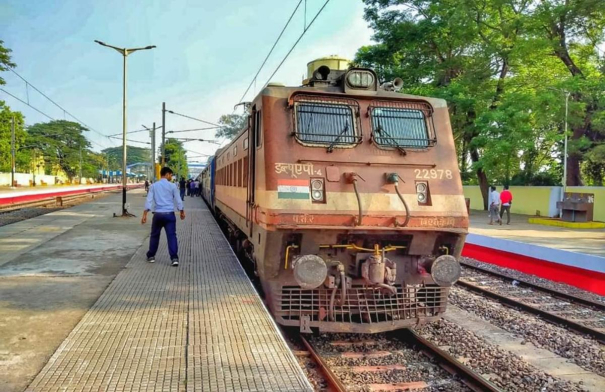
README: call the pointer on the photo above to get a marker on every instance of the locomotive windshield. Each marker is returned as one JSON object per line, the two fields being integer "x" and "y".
{"x": 325, "y": 124}
{"x": 400, "y": 127}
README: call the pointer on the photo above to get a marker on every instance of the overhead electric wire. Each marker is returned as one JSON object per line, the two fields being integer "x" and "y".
{"x": 187, "y": 139}
{"x": 22, "y": 101}
{"x": 193, "y": 118}
{"x": 194, "y": 129}
{"x": 129, "y": 140}
{"x": 56, "y": 104}
{"x": 271, "y": 51}
{"x": 39, "y": 111}
{"x": 296, "y": 43}
{"x": 197, "y": 153}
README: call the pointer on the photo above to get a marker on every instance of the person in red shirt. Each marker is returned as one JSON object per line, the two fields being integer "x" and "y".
{"x": 506, "y": 199}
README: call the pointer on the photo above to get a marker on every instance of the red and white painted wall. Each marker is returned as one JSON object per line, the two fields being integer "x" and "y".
{"x": 35, "y": 195}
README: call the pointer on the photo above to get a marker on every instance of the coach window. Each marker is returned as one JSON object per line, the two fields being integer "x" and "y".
{"x": 245, "y": 144}
{"x": 235, "y": 151}
{"x": 258, "y": 124}
{"x": 241, "y": 172}
{"x": 245, "y": 172}
{"x": 327, "y": 123}
{"x": 233, "y": 175}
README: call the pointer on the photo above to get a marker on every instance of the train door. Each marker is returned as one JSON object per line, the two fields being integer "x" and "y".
{"x": 252, "y": 144}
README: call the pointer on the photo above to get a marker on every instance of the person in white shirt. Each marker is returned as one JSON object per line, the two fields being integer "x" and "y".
{"x": 494, "y": 206}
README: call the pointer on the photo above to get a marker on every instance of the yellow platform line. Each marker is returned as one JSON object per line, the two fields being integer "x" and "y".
{"x": 569, "y": 225}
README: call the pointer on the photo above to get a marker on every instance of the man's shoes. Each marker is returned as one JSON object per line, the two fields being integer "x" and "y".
{"x": 151, "y": 259}
{"x": 175, "y": 262}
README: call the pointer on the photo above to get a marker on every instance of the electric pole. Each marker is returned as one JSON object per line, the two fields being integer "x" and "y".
{"x": 163, "y": 134}
{"x": 80, "y": 165}
{"x": 153, "y": 153}
{"x": 13, "y": 152}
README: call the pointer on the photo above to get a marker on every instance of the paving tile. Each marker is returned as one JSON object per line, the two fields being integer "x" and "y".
{"x": 198, "y": 327}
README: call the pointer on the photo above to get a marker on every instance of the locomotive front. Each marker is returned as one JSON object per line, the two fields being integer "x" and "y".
{"x": 362, "y": 216}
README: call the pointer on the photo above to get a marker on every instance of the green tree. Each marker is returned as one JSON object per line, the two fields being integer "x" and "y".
{"x": 571, "y": 31}
{"x": 176, "y": 157}
{"x": 23, "y": 153}
{"x": 501, "y": 65}
{"x": 5, "y": 60}
{"x": 133, "y": 155}
{"x": 231, "y": 125}
{"x": 61, "y": 143}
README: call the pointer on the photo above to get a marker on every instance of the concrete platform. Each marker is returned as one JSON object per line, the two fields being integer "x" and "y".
{"x": 572, "y": 256}
{"x": 198, "y": 327}
{"x": 586, "y": 241}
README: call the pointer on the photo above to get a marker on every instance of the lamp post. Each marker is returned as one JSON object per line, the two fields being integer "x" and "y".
{"x": 564, "y": 182}
{"x": 124, "y": 52}
{"x": 564, "y": 179}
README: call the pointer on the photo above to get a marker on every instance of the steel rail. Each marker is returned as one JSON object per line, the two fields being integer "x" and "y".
{"x": 450, "y": 364}
{"x": 524, "y": 283}
{"x": 572, "y": 325}
{"x": 330, "y": 377}
{"x": 39, "y": 203}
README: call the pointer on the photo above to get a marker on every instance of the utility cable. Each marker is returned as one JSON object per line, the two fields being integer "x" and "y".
{"x": 296, "y": 43}
{"x": 129, "y": 140}
{"x": 193, "y": 118}
{"x": 194, "y": 129}
{"x": 271, "y": 51}
{"x": 41, "y": 112}
{"x": 25, "y": 103}
{"x": 56, "y": 104}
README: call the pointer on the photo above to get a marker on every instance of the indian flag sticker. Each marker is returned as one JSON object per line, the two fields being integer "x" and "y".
{"x": 293, "y": 189}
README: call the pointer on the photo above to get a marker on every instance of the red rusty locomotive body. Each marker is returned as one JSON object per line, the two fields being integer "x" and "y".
{"x": 348, "y": 200}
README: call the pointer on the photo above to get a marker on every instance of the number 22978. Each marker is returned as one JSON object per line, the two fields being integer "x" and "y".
{"x": 438, "y": 174}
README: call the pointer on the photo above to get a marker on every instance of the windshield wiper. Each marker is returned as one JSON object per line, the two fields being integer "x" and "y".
{"x": 344, "y": 130}
{"x": 389, "y": 137}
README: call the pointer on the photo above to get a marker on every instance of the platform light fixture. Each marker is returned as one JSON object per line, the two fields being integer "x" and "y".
{"x": 124, "y": 52}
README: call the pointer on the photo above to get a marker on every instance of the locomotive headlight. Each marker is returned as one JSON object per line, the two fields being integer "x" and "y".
{"x": 422, "y": 192}
{"x": 310, "y": 271}
{"x": 445, "y": 270}
{"x": 317, "y": 190}
{"x": 360, "y": 79}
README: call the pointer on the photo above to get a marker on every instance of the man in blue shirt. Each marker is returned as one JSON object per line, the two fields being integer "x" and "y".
{"x": 160, "y": 200}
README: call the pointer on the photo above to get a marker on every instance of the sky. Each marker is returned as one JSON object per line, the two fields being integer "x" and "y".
{"x": 207, "y": 54}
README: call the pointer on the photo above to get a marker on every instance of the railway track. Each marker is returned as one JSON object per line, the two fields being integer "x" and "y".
{"x": 50, "y": 201}
{"x": 574, "y": 313}
{"x": 397, "y": 361}
{"x": 17, "y": 212}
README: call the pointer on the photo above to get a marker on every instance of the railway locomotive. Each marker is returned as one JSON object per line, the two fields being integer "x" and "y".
{"x": 347, "y": 198}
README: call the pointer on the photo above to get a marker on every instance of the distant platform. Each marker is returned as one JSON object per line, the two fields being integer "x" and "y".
{"x": 21, "y": 195}
{"x": 572, "y": 256}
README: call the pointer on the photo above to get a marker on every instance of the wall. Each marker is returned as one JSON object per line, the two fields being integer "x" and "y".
{"x": 529, "y": 199}
{"x": 526, "y": 200}
{"x": 23, "y": 179}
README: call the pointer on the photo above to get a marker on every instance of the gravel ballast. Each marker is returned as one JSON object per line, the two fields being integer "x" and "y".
{"x": 584, "y": 352}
